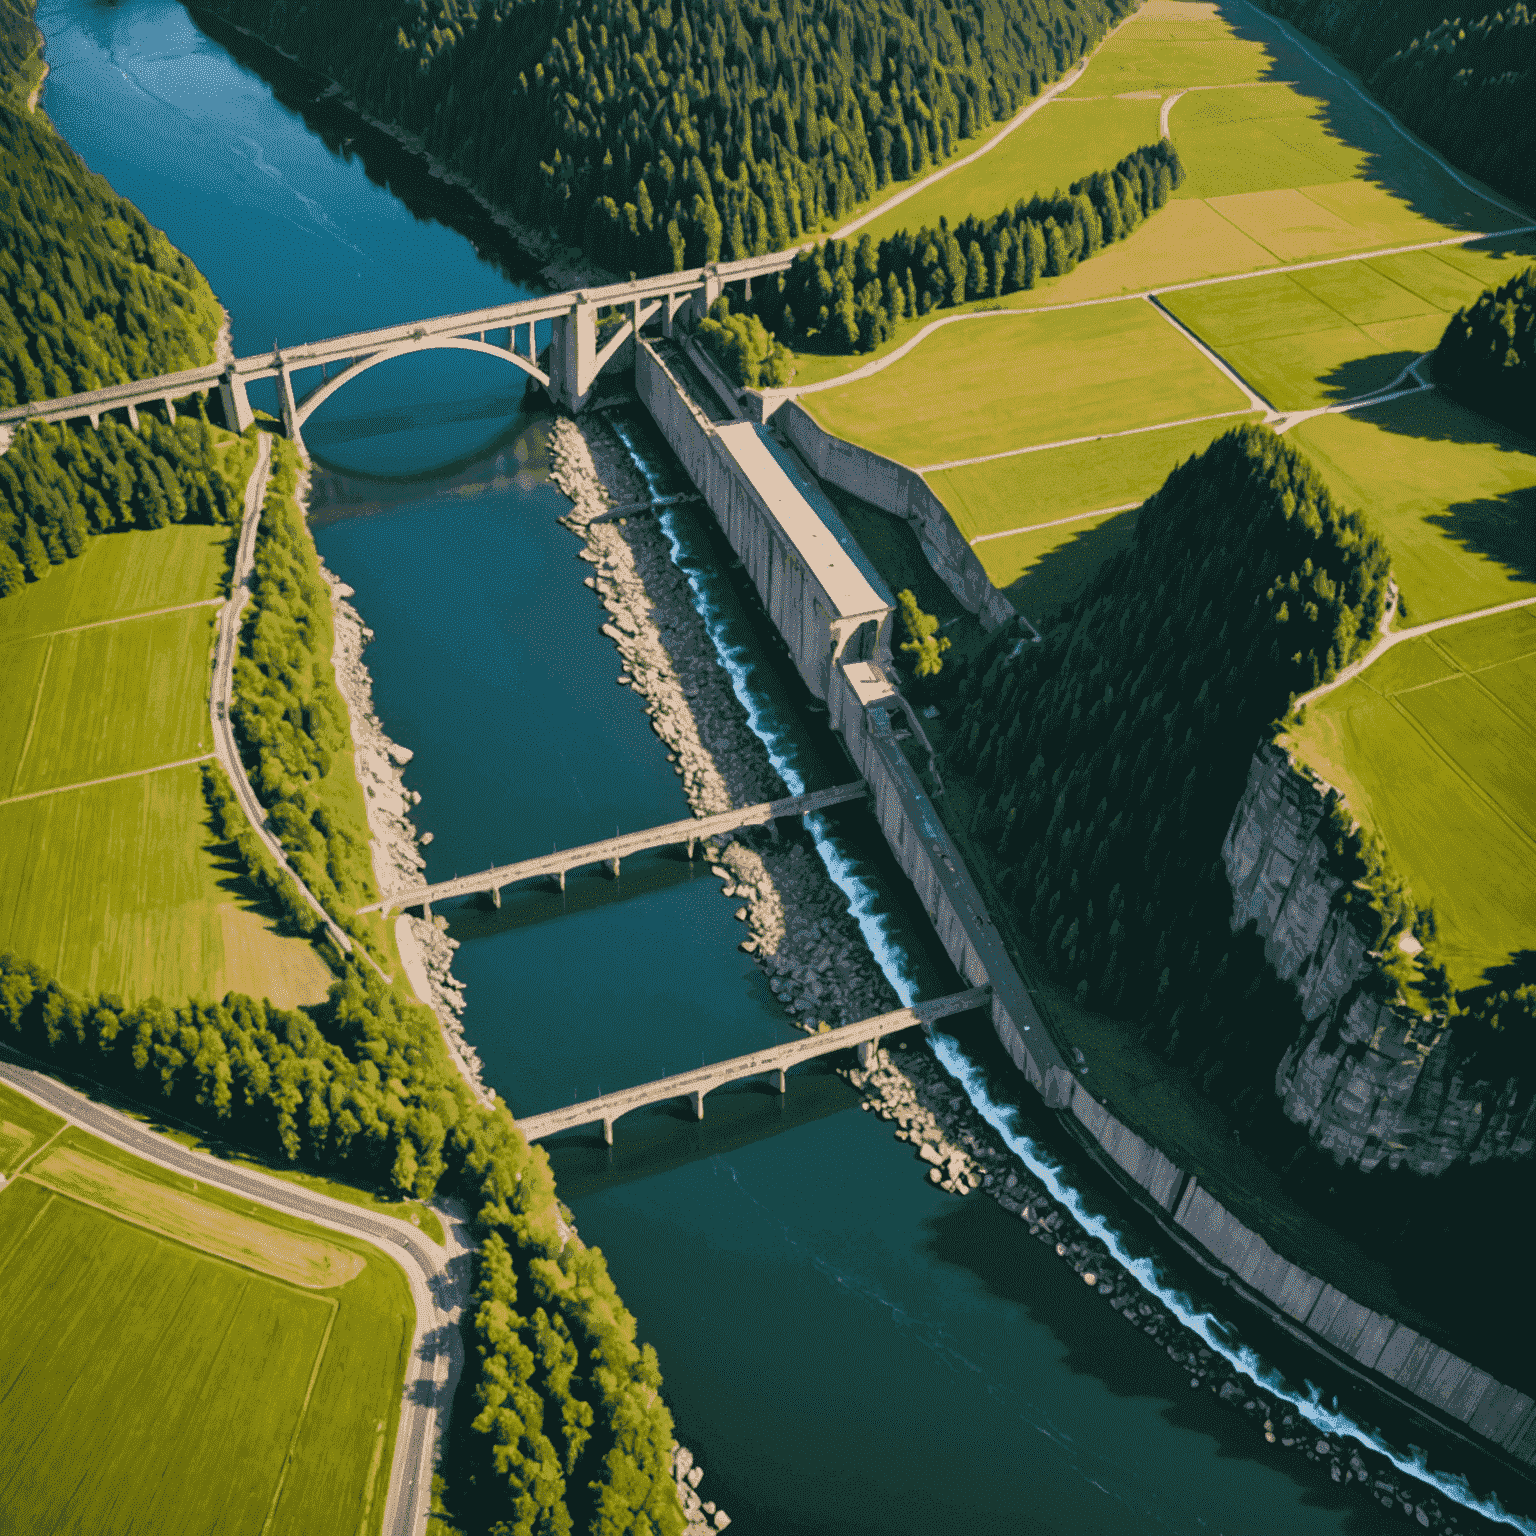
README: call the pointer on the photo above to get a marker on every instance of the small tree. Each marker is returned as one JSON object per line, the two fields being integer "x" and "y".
{"x": 924, "y": 644}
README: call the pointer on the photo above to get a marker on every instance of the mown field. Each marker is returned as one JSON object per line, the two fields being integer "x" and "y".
{"x": 1043, "y": 568}
{"x": 1434, "y": 747}
{"x": 987, "y": 386}
{"x": 1320, "y": 335}
{"x": 121, "y": 886}
{"x": 240, "y": 1370}
{"x": 1453, "y": 493}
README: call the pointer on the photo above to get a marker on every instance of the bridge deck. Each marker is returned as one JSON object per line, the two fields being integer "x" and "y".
{"x": 560, "y": 862}
{"x": 778, "y": 1058}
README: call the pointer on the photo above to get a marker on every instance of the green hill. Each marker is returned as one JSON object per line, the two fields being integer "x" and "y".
{"x": 1487, "y": 357}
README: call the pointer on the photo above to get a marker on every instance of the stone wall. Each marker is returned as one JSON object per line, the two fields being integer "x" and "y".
{"x": 903, "y": 492}
{"x": 1371, "y": 1081}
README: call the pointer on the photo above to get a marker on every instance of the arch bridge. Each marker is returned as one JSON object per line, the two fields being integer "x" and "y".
{"x": 586, "y": 330}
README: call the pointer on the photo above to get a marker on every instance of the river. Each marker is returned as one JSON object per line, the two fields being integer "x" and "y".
{"x": 845, "y": 1348}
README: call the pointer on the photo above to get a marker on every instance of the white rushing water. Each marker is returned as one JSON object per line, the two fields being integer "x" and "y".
{"x": 875, "y": 925}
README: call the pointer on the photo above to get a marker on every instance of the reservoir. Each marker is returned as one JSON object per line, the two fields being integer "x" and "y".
{"x": 845, "y": 1348}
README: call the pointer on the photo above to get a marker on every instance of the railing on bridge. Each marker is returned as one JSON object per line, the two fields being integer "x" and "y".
{"x": 574, "y": 356}
{"x": 610, "y": 851}
{"x": 866, "y": 1035}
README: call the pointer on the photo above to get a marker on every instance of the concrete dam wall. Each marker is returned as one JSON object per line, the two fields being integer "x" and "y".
{"x": 1372, "y": 1082}
{"x": 873, "y": 718}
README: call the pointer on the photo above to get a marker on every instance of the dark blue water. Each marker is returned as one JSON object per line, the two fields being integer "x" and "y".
{"x": 847, "y": 1349}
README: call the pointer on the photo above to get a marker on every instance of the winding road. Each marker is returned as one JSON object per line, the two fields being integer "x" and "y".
{"x": 439, "y": 1277}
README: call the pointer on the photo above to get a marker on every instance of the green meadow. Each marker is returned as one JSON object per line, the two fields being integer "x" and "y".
{"x": 1453, "y": 493}
{"x": 240, "y": 1371}
{"x": 990, "y": 385}
{"x": 1040, "y": 569}
{"x": 1434, "y": 746}
{"x": 1064, "y": 140}
{"x": 24, "y": 1127}
{"x": 1170, "y": 45}
{"x": 1026, "y": 489}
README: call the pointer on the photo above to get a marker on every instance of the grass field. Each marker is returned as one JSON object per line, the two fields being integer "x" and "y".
{"x": 986, "y": 386}
{"x": 151, "y": 672}
{"x": 1453, "y": 493}
{"x": 1031, "y": 488}
{"x": 1041, "y": 569}
{"x": 1170, "y": 44}
{"x": 1064, "y": 140}
{"x": 1435, "y": 748}
{"x": 24, "y": 1127}
{"x": 220, "y": 1396}
{"x": 121, "y": 888}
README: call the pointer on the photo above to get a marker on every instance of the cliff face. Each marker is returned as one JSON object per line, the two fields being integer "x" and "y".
{"x": 1369, "y": 1080}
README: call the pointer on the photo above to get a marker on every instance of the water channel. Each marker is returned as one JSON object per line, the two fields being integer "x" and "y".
{"x": 845, "y": 1348}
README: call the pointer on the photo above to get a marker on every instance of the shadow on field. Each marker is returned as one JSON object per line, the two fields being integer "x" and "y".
{"x": 1365, "y": 375}
{"x": 1066, "y": 569}
{"x": 1503, "y": 528}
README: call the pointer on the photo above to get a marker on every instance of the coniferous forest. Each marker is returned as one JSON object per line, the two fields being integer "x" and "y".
{"x": 1464, "y": 85}
{"x": 659, "y": 136}
{"x": 1487, "y": 356}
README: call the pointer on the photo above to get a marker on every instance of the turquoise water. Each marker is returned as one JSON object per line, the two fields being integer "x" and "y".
{"x": 845, "y": 1348}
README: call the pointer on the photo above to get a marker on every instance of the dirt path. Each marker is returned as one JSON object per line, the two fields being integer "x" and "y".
{"x": 1396, "y": 637}
{"x": 439, "y": 1277}
{"x": 122, "y": 618}
{"x": 1055, "y": 522}
{"x": 111, "y": 778}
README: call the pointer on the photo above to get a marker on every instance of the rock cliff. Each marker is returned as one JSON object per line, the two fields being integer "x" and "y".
{"x": 1370, "y": 1079}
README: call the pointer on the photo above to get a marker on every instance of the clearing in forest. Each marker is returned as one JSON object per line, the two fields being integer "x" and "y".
{"x": 240, "y": 1370}
{"x": 1434, "y": 747}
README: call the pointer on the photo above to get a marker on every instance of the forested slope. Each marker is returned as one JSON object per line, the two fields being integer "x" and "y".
{"x": 1487, "y": 356}
{"x": 661, "y": 135}
{"x": 1464, "y": 84}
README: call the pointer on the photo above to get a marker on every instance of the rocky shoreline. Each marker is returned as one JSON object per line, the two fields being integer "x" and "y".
{"x": 819, "y": 967}
{"x": 425, "y": 948}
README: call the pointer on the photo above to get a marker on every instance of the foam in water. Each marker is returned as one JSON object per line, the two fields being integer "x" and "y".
{"x": 875, "y": 925}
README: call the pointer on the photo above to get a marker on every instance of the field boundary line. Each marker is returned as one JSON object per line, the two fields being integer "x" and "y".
{"x": 303, "y": 1413}
{"x": 33, "y": 1156}
{"x": 1093, "y": 437}
{"x": 1022, "y": 116}
{"x": 1256, "y": 400}
{"x": 122, "y": 618}
{"x": 111, "y": 778}
{"x": 1056, "y": 522}
{"x": 1015, "y": 312}
{"x": 1295, "y": 39}
{"x": 37, "y": 704}
{"x": 1396, "y": 637}
{"x": 1231, "y": 85}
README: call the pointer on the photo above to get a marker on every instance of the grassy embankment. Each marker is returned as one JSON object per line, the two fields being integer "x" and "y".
{"x": 1283, "y": 167}
{"x": 278, "y": 1349}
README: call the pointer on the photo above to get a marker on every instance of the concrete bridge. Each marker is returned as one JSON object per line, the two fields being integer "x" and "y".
{"x": 613, "y": 849}
{"x": 776, "y": 1061}
{"x": 587, "y": 330}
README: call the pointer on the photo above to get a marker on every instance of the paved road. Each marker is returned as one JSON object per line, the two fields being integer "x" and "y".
{"x": 439, "y": 1277}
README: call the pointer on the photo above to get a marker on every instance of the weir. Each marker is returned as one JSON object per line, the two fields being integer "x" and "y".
{"x": 866, "y": 1035}
{"x": 610, "y": 851}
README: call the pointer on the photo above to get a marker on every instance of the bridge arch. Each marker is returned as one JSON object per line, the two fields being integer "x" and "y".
{"x": 316, "y": 398}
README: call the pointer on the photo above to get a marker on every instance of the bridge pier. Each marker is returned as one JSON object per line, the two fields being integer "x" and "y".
{"x": 696, "y": 1098}
{"x": 868, "y": 1050}
{"x": 781, "y": 1079}
{"x": 170, "y": 410}
{"x": 613, "y": 868}
{"x": 426, "y": 910}
{"x": 238, "y": 414}
{"x": 560, "y": 881}
{"x": 290, "y": 409}
{"x": 608, "y": 1132}
{"x": 133, "y": 417}
{"x": 496, "y": 897}
{"x": 573, "y": 355}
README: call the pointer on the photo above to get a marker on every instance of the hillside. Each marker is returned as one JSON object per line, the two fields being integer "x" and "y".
{"x": 1464, "y": 85}
{"x": 658, "y": 137}
{"x": 1487, "y": 357}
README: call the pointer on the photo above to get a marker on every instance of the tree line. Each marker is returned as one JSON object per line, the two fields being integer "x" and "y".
{"x": 571, "y": 1432}
{"x": 847, "y": 296}
{"x": 1487, "y": 357}
{"x": 1464, "y": 86}
{"x": 662, "y": 134}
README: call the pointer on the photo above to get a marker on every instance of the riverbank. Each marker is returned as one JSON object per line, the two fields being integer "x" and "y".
{"x": 803, "y": 936}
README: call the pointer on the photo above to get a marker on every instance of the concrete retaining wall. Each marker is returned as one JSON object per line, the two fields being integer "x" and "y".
{"x": 868, "y": 711}
{"x": 894, "y": 488}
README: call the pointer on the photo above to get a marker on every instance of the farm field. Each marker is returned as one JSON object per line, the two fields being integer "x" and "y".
{"x": 1170, "y": 44}
{"x": 264, "y": 1390}
{"x": 121, "y": 888}
{"x": 1031, "y": 488}
{"x": 1453, "y": 493}
{"x": 24, "y": 1127}
{"x": 1041, "y": 569}
{"x": 154, "y": 670}
{"x": 988, "y": 386}
{"x": 1435, "y": 749}
{"x": 1066, "y": 139}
